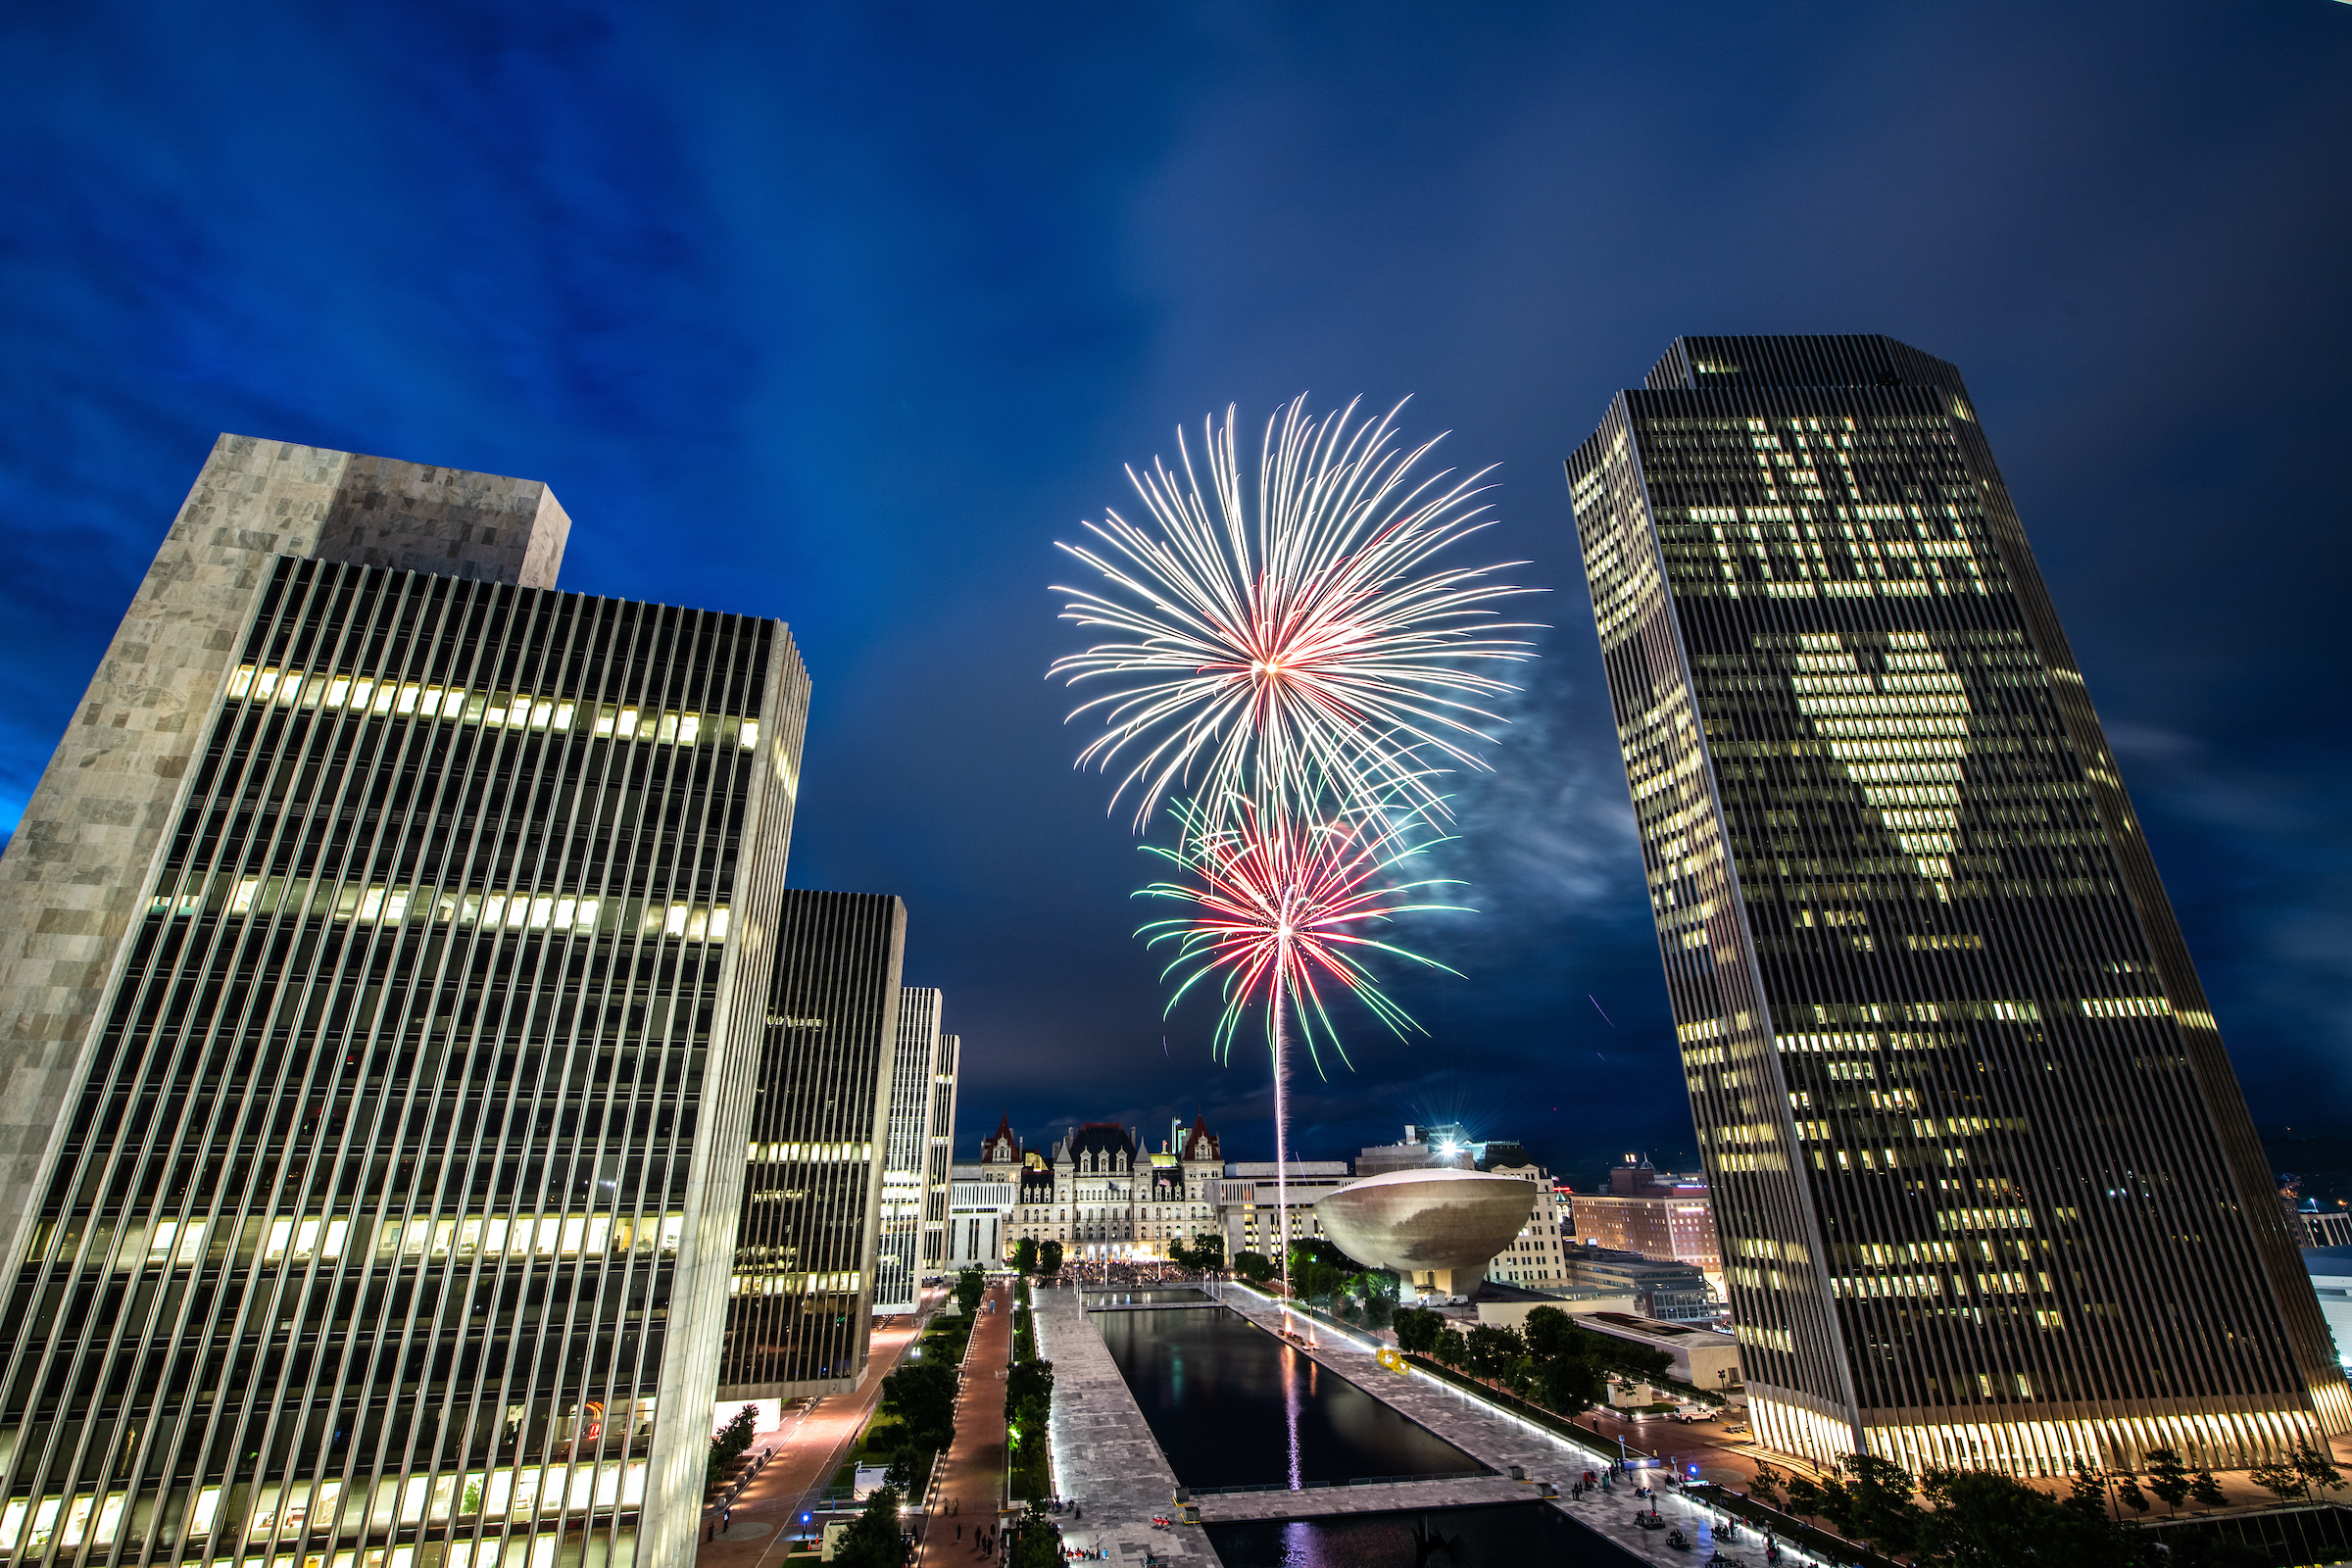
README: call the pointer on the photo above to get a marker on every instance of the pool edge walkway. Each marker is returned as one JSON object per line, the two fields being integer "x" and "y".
{"x": 1496, "y": 1438}
{"x": 1104, "y": 1458}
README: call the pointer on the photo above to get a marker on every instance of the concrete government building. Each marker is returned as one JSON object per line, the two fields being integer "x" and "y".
{"x": 383, "y": 961}
{"x": 1987, "y": 1189}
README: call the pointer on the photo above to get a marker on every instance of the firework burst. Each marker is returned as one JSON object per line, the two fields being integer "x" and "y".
{"x": 1283, "y": 908}
{"x": 1299, "y": 646}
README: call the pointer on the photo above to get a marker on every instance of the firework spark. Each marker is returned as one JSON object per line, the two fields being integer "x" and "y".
{"x": 1303, "y": 646}
{"x": 1283, "y": 906}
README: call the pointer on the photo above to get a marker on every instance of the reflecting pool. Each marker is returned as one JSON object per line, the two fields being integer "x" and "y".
{"x": 1510, "y": 1535}
{"x": 1232, "y": 1405}
{"x": 1149, "y": 1296}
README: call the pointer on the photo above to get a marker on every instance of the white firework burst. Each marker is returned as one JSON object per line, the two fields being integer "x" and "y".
{"x": 1302, "y": 645}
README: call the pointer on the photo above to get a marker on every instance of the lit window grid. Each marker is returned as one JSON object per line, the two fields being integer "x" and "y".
{"x": 906, "y": 1151}
{"x": 801, "y": 1286}
{"x": 1615, "y": 492}
{"x": 328, "y": 1222}
{"x": 380, "y": 698}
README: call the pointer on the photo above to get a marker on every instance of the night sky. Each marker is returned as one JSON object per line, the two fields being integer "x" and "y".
{"x": 845, "y": 313}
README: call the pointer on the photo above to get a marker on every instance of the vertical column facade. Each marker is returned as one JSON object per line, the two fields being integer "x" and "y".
{"x": 905, "y": 1162}
{"x": 1987, "y": 1186}
{"x": 936, "y": 1247}
{"x": 802, "y": 1296}
{"x": 374, "y": 1221}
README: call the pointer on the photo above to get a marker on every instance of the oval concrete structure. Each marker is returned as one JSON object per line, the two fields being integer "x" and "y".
{"x": 1429, "y": 1225}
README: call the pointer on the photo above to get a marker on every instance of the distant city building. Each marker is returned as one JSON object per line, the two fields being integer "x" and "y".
{"x": 1989, "y": 1192}
{"x": 906, "y": 1152}
{"x": 936, "y": 1196}
{"x": 1658, "y": 1215}
{"x": 2330, "y": 1271}
{"x": 802, "y": 1298}
{"x": 982, "y": 1196}
{"x": 2326, "y": 1227}
{"x": 1536, "y": 1257}
{"x": 382, "y": 974}
{"x": 1249, "y": 1201}
{"x": 1101, "y": 1198}
{"x": 1675, "y": 1293}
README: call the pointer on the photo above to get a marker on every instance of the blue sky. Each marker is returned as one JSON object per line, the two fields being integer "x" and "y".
{"x": 845, "y": 313}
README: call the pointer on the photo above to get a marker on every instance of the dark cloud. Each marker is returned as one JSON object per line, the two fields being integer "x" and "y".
{"x": 845, "y": 313}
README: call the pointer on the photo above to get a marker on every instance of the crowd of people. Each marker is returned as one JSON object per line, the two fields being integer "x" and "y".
{"x": 1115, "y": 1274}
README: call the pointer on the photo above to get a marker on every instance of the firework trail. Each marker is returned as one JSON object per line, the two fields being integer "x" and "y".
{"x": 1301, "y": 645}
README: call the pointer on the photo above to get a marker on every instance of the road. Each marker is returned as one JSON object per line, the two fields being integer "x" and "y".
{"x": 809, "y": 1448}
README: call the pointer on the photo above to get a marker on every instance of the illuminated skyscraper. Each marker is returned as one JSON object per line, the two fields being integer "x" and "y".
{"x": 906, "y": 1152}
{"x": 382, "y": 957}
{"x": 943, "y": 1155}
{"x": 1987, "y": 1189}
{"x": 803, "y": 1288}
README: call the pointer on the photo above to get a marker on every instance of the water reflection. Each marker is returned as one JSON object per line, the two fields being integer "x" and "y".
{"x": 1503, "y": 1535}
{"x": 1232, "y": 1405}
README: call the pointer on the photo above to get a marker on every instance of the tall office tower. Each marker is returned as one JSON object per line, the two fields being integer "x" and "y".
{"x": 375, "y": 948}
{"x": 942, "y": 1156}
{"x": 1987, "y": 1189}
{"x": 905, "y": 1161}
{"x": 802, "y": 1293}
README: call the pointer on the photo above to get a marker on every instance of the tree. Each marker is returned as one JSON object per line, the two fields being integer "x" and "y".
{"x": 1807, "y": 1498}
{"x": 1569, "y": 1384}
{"x": 1048, "y": 1259}
{"x": 2126, "y": 1487}
{"x": 872, "y": 1539}
{"x": 732, "y": 1439}
{"x": 1984, "y": 1519}
{"x": 2087, "y": 1490}
{"x": 1036, "y": 1541}
{"x": 922, "y": 1394}
{"x": 1256, "y": 1267}
{"x": 908, "y": 1466}
{"x": 2317, "y": 1470}
{"x": 1029, "y": 1393}
{"x": 1768, "y": 1483}
{"x": 2205, "y": 1490}
{"x": 1883, "y": 1509}
{"x": 1417, "y": 1330}
{"x": 1204, "y": 1252}
{"x": 970, "y": 1285}
{"x": 2283, "y": 1481}
{"x": 1549, "y": 1332}
{"x": 1024, "y": 1255}
{"x": 1450, "y": 1348}
{"x": 2168, "y": 1477}
{"x": 1493, "y": 1349}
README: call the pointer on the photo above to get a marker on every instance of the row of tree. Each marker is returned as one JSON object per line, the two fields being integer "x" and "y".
{"x": 1552, "y": 1362}
{"x": 1955, "y": 1517}
{"x": 1028, "y": 1405}
{"x": 1032, "y": 1256}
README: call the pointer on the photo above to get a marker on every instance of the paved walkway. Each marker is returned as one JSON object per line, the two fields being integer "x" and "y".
{"x": 1108, "y": 1461}
{"x": 969, "y": 1480}
{"x": 808, "y": 1449}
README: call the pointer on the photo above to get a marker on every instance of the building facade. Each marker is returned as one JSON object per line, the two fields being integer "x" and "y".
{"x": 1657, "y": 1213}
{"x": 940, "y": 1156}
{"x": 1538, "y": 1256}
{"x": 382, "y": 951}
{"x": 801, "y": 1302}
{"x": 906, "y": 1152}
{"x": 1987, "y": 1189}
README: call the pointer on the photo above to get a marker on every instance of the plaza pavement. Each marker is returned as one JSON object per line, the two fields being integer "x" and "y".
{"x": 969, "y": 1482}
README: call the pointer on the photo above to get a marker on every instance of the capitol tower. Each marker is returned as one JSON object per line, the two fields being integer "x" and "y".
{"x": 1987, "y": 1189}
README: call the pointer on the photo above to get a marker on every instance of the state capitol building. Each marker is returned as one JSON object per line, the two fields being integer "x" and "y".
{"x": 1102, "y": 1197}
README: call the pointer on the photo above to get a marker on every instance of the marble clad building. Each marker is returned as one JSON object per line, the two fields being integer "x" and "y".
{"x": 384, "y": 957}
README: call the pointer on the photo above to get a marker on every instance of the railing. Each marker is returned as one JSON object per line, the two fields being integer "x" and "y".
{"x": 1351, "y": 1481}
